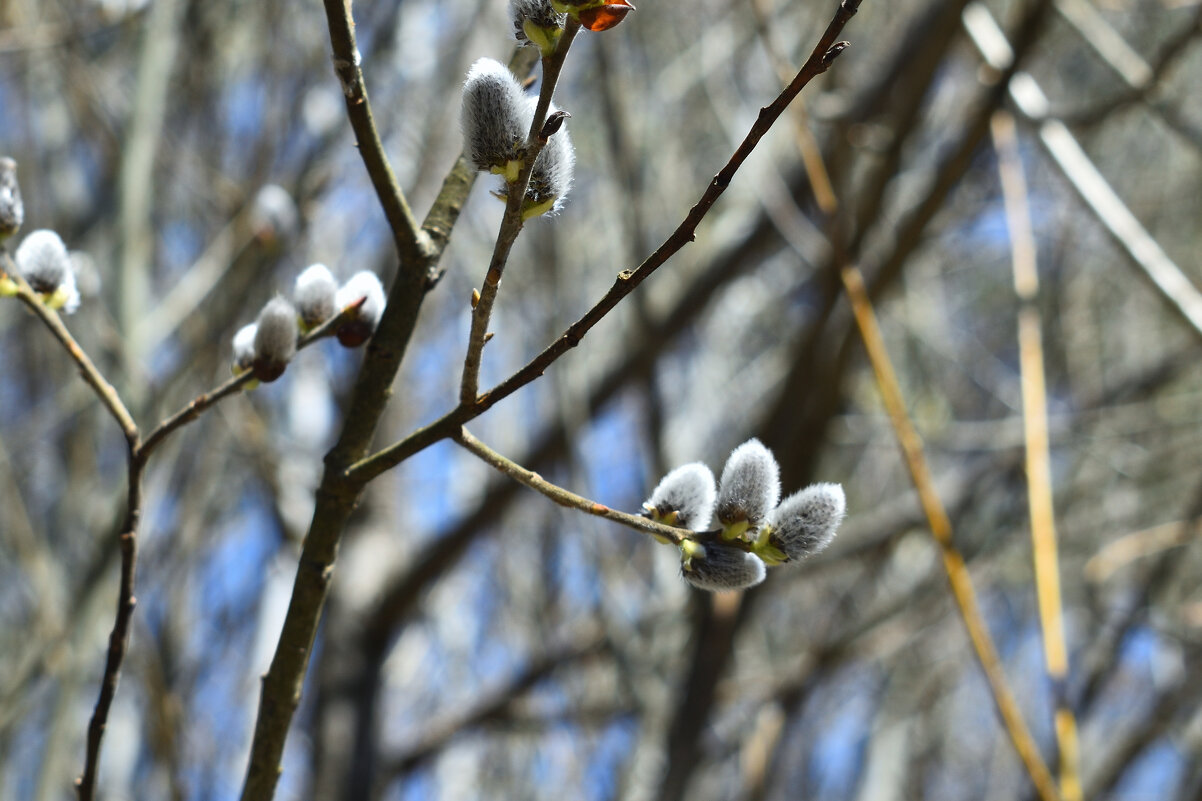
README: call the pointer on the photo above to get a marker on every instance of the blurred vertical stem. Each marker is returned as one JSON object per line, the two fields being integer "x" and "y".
{"x": 807, "y": 145}
{"x": 136, "y": 180}
{"x": 1035, "y": 436}
{"x": 941, "y": 529}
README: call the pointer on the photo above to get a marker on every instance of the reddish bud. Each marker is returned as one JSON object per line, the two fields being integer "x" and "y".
{"x": 602, "y": 18}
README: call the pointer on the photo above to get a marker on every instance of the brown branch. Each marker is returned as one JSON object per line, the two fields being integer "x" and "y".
{"x": 941, "y": 530}
{"x": 198, "y": 406}
{"x": 565, "y": 498}
{"x": 119, "y": 637}
{"x": 412, "y": 243}
{"x": 819, "y": 61}
{"x": 511, "y": 222}
{"x": 87, "y": 369}
{"x": 85, "y": 785}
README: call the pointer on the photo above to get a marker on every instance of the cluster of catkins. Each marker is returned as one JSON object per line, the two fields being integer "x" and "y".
{"x": 754, "y": 529}
{"x": 267, "y": 345}
{"x": 497, "y": 114}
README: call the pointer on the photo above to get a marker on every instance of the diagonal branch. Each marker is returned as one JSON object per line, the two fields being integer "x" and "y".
{"x": 87, "y": 369}
{"x": 823, "y": 55}
{"x": 941, "y": 529}
{"x": 562, "y": 496}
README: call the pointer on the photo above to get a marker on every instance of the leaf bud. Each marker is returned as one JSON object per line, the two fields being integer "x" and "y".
{"x": 536, "y": 23}
{"x": 43, "y": 261}
{"x": 314, "y": 296}
{"x": 12, "y": 209}
{"x": 595, "y": 15}
{"x": 716, "y": 567}
{"x": 275, "y": 339}
{"x": 363, "y": 288}
{"x": 553, "y": 169}
{"x": 805, "y": 522}
{"x": 494, "y": 119}
{"x": 244, "y": 348}
{"x": 749, "y": 489}
{"x": 683, "y": 498}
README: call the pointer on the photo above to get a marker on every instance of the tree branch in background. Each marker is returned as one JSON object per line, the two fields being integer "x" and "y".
{"x": 1035, "y": 433}
{"x": 1166, "y": 277}
{"x": 941, "y": 529}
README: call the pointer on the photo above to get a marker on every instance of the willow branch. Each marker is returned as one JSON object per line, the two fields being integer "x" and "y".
{"x": 198, "y": 406}
{"x": 562, "y": 496}
{"x": 823, "y": 55}
{"x": 511, "y": 222}
{"x": 941, "y": 529}
{"x": 87, "y": 369}
{"x": 85, "y": 785}
{"x": 412, "y": 243}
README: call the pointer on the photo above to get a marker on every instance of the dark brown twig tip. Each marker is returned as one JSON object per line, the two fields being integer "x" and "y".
{"x": 833, "y": 52}
{"x": 554, "y": 123}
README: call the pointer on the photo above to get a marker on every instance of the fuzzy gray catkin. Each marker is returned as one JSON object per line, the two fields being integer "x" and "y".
{"x": 42, "y": 260}
{"x": 494, "y": 116}
{"x": 314, "y": 295}
{"x": 244, "y": 348}
{"x": 750, "y": 486}
{"x": 275, "y": 339}
{"x": 716, "y": 567}
{"x": 684, "y": 497}
{"x": 806, "y": 522}
{"x": 12, "y": 209}
{"x": 553, "y": 169}
{"x": 363, "y": 286}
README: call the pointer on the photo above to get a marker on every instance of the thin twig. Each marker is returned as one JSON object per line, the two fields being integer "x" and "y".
{"x": 1139, "y": 545}
{"x": 511, "y": 222}
{"x": 199, "y": 405}
{"x": 192, "y": 411}
{"x": 807, "y": 144}
{"x": 941, "y": 530}
{"x": 85, "y": 785}
{"x": 562, "y": 496}
{"x": 1035, "y": 435}
{"x": 87, "y": 369}
{"x": 823, "y": 55}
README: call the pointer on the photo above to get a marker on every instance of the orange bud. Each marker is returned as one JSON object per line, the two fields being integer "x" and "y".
{"x": 602, "y": 18}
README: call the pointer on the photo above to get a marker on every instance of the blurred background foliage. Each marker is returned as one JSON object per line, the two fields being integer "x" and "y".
{"x": 483, "y": 643}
